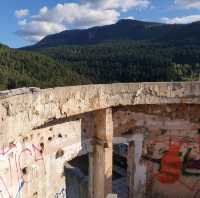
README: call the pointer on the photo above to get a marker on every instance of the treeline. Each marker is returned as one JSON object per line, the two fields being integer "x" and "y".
{"x": 125, "y": 61}
{"x": 20, "y": 68}
{"x": 130, "y": 61}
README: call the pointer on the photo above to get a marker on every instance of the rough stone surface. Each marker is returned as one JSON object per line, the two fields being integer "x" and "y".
{"x": 24, "y": 109}
{"x": 31, "y": 164}
{"x": 20, "y": 91}
{"x": 41, "y": 129}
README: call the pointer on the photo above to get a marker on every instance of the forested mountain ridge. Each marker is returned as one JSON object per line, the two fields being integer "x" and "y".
{"x": 126, "y": 29}
{"x": 134, "y": 52}
{"x": 130, "y": 61}
{"x": 20, "y": 68}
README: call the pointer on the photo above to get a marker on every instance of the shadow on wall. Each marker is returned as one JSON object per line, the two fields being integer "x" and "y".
{"x": 76, "y": 171}
{"x": 76, "y": 182}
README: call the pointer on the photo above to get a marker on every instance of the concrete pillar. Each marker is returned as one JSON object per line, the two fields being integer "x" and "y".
{"x": 101, "y": 157}
{"x": 136, "y": 168}
{"x": 131, "y": 168}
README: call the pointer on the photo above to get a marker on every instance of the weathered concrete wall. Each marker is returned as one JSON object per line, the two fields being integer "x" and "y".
{"x": 173, "y": 163}
{"x": 171, "y": 148}
{"x": 36, "y": 107}
{"x": 33, "y": 164}
{"x": 41, "y": 129}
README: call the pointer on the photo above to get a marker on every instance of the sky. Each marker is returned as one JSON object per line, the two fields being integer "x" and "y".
{"x": 25, "y": 22}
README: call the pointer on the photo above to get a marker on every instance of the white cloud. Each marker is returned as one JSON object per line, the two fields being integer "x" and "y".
{"x": 128, "y": 4}
{"x": 21, "y": 13}
{"x": 129, "y": 17}
{"x": 188, "y": 4}
{"x": 64, "y": 16}
{"x": 123, "y": 5}
{"x": 182, "y": 20}
{"x": 74, "y": 15}
{"x": 22, "y": 22}
{"x": 36, "y": 30}
{"x": 43, "y": 10}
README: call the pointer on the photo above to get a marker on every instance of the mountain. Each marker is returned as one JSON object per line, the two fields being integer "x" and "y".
{"x": 129, "y": 61}
{"x": 126, "y": 29}
{"x": 128, "y": 51}
{"x": 20, "y": 68}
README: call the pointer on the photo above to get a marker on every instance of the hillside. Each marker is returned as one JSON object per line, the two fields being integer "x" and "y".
{"x": 136, "y": 52}
{"x": 130, "y": 61}
{"x": 126, "y": 29}
{"x": 20, "y": 68}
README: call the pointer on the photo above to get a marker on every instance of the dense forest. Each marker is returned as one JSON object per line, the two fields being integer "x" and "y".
{"x": 125, "y": 61}
{"x": 130, "y": 61}
{"x": 18, "y": 69}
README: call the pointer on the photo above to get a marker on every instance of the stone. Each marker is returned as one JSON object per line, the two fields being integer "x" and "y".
{"x": 41, "y": 129}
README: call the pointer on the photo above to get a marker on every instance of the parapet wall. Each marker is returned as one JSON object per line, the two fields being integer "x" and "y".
{"x": 41, "y": 129}
{"x": 22, "y": 111}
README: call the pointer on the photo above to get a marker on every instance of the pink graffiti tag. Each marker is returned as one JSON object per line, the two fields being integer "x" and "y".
{"x": 34, "y": 150}
{"x": 4, "y": 152}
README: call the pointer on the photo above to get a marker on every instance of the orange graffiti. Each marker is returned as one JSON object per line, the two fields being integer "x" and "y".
{"x": 171, "y": 166}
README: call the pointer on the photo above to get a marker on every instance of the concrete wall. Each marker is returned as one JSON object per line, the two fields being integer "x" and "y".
{"x": 173, "y": 164}
{"x": 41, "y": 129}
{"x": 170, "y": 158}
{"x": 33, "y": 164}
{"x": 37, "y": 107}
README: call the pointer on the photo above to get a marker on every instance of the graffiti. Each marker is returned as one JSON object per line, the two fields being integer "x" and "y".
{"x": 5, "y": 151}
{"x": 174, "y": 160}
{"x": 171, "y": 166}
{"x": 15, "y": 160}
{"x": 166, "y": 151}
{"x": 61, "y": 194}
{"x": 21, "y": 185}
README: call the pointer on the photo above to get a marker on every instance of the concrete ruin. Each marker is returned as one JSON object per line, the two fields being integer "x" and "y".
{"x": 147, "y": 134}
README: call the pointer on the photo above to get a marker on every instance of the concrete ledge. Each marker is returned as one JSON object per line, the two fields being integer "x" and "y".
{"x": 20, "y": 91}
{"x": 24, "y": 109}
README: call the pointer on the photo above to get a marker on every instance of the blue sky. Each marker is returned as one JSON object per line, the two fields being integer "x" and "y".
{"x": 24, "y": 22}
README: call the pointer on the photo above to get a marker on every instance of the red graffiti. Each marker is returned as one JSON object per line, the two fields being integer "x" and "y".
{"x": 171, "y": 166}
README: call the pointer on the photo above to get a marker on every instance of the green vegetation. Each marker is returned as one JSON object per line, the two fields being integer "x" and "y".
{"x": 128, "y": 51}
{"x": 126, "y": 29}
{"x": 125, "y": 61}
{"x": 130, "y": 61}
{"x": 20, "y": 68}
